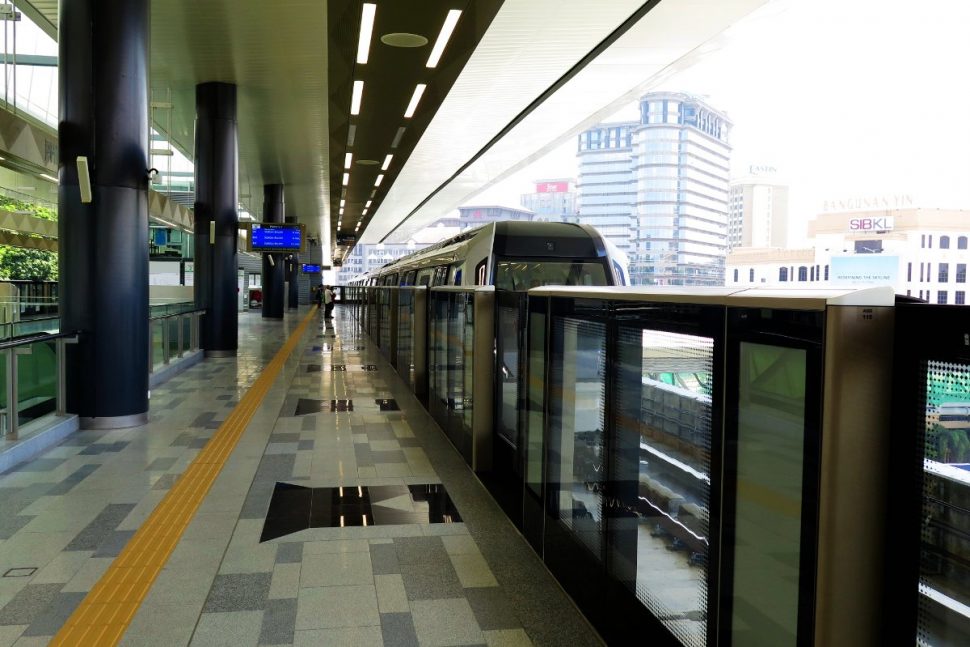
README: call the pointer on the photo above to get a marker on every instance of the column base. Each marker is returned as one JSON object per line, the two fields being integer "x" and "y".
{"x": 220, "y": 353}
{"x": 114, "y": 422}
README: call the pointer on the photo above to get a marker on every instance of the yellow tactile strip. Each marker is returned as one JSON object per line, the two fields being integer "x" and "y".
{"x": 104, "y": 614}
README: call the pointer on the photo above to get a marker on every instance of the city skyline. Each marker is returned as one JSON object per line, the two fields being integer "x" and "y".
{"x": 827, "y": 117}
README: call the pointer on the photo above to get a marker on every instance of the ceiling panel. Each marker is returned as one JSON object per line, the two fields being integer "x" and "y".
{"x": 389, "y": 78}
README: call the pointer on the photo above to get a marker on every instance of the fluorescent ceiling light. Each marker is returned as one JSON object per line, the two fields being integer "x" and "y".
{"x": 356, "y": 97}
{"x": 351, "y": 135}
{"x": 342, "y": 202}
{"x": 48, "y": 177}
{"x": 366, "y": 29}
{"x": 348, "y": 158}
{"x": 439, "y": 45}
{"x": 380, "y": 178}
{"x": 346, "y": 179}
{"x": 364, "y": 212}
{"x": 397, "y": 137}
{"x": 387, "y": 162}
{"x": 367, "y": 204}
{"x": 413, "y": 105}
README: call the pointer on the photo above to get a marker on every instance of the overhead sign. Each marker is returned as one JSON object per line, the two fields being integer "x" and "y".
{"x": 274, "y": 237}
{"x": 882, "y": 223}
{"x": 346, "y": 239}
{"x": 864, "y": 269}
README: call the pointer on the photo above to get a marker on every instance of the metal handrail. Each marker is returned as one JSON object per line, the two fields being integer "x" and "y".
{"x": 193, "y": 340}
{"x": 11, "y": 350}
{"x": 200, "y": 311}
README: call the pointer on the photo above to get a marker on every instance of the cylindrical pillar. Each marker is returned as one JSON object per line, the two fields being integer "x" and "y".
{"x": 273, "y": 211}
{"x": 103, "y": 257}
{"x": 216, "y": 217}
{"x": 293, "y": 282}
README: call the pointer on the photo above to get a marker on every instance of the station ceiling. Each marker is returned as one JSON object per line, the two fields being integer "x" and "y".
{"x": 295, "y": 64}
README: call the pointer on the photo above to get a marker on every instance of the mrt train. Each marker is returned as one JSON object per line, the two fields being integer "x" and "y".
{"x": 510, "y": 255}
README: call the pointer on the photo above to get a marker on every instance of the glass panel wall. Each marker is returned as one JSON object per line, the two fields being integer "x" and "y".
{"x": 771, "y": 439}
{"x": 576, "y": 447}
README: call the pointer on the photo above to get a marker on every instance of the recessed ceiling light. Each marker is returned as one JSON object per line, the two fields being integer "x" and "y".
{"x": 351, "y": 135}
{"x": 364, "y": 212}
{"x": 367, "y": 204}
{"x": 346, "y": 179}
{"x": 373, "y": 193}
{"x": 366, "y": 30}
{"x": 348, "y": 158}
{"x": 380, "y": 178}
{"x": 397, "y": 137}
{"x": 356, "y": 97}
{"x": 446, "y": 29}
{"x": 415, "y": 98}
{"x": 368, "y": 162}
{"x": 342, "y": 202}
{"x": 404, "y": 39}
{"x": 387, "y": 162}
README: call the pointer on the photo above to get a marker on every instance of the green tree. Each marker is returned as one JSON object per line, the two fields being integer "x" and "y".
{"x": 23, "y": 264}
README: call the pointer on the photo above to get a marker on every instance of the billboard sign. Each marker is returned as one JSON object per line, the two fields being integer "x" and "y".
{"x": 881, "y": 223}
{"x": 552, "y": 187}
{"x": 864, "y": 269}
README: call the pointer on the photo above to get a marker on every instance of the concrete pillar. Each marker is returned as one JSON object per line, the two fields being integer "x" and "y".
{"x": 273, "y": 211}
{"x": 216, "y": 217}
{"x": 103, "y": 258}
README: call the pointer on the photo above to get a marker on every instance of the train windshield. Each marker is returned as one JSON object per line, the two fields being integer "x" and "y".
{"x": 522, "y": 275}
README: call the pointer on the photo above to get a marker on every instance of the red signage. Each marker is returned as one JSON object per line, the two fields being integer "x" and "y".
{"x": 552, "y": 187}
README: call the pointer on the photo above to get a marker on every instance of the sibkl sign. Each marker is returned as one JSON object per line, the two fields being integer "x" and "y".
{"x": 884, "y": 223}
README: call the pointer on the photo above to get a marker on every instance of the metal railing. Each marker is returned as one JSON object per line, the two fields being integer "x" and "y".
{"x": 172, "y": 334}
{"x": 38, "y": 395}
{"x": 31, "y": 390}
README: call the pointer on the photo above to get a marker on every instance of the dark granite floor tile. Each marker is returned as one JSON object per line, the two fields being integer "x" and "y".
{"x": 397, "y": 630}
{"x": 238, "y": 592}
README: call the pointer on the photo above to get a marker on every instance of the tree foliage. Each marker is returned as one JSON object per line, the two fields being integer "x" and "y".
{"x": 20, "y": 263}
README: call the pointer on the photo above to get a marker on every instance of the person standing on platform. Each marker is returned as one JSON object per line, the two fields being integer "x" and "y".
{"x": 327, "y": 302}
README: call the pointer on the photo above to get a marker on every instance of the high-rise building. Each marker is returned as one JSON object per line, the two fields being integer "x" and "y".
{"x": 758, "y": 215}
{"x": 552, "y": 200}
{"x": 658, "y": 189}
{"x": 681, "y": 159}
{"x": 606, "y": 186}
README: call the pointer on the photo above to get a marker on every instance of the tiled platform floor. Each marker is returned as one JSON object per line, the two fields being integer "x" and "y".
{"x": 65, "y": 515}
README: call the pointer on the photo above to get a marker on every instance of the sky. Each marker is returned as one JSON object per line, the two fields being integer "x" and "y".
{"x": 846, "y": 98}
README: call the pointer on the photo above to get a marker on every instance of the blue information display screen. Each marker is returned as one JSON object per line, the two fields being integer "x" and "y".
{"x": 275, "y": 238}
{"x": 311, "y": 269}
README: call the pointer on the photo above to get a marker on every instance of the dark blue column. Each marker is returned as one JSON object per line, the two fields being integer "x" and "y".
{"x": 273, "y": 211}
{"x": 103, "y": 258}
{"x": 293, "y": 282}
{"x": 216, "y": 201}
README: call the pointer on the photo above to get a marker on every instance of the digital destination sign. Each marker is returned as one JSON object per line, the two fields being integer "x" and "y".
{"x": 276, "y": 237}
{"x": 311, "y": 269}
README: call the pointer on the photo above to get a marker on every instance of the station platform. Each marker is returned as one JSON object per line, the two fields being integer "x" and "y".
{"x": 298, "y": 495}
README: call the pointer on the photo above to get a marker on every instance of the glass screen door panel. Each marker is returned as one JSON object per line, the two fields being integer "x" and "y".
{"x": 771, "y": 441}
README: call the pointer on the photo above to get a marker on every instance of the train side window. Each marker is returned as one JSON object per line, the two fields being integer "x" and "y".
{"x": 480, "y": 272}
{"x": 457, "y": 279}
{"x": 440, "y": 275}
